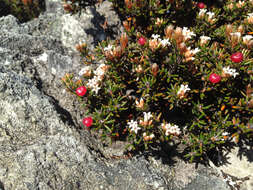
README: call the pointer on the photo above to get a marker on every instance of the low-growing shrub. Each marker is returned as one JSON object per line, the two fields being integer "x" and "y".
{"x": 166, "y": 83}
{"x": 24, "y": 10}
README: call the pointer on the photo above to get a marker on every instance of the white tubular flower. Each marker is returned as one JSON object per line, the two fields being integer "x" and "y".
{"x": 171, "y": 129}
{"x": 99, "y": 72}
{"x": 236, "y": 34}
{"x": 165, "y": 42}
{"x": 195, "y": 51}
{"x": 108, "y": 48}
{"x": 133, "y": 125}
{"x": 147, "y": 116}
{"x": 250, "y": 15}
{"x": 202, "y": 12}
{"x": 246, "y": 39}
{"x": 210, "y": 15}
{"x": 93, "y": 82}
{"x": 229, "y": 71}
{"x": 85, "y": 71}
{"x": 187, "y": 33}
{"x": 95, "y": 89}
{"x": 155, "y": 36}
{"x": 225, "y": 134}
{"x": 183, "y": 89}
{"x": 204, "y": 40}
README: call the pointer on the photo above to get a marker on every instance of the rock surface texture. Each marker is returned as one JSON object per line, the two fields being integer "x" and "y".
{"x": 42, "y": 144}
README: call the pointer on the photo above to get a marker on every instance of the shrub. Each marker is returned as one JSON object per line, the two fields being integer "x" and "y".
{"x": 24, "y": 10}
{"x": 165, "y": 83}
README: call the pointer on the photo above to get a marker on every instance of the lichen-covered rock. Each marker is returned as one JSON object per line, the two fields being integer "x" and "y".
{"x": 42, "y": 143}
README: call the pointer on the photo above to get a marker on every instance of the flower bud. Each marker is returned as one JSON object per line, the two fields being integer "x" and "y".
{"x": 153, "y": 44}
{"x": 178, "y": 33}
{"x": 168, "y": 31}
{"x": 139, "y": 69}
{"x": 229, "y": 29}
{"x": 154, "y": 69}
{"x": 139, "y": 104}
{"x": 117, "y": 52}
{"x": 230, "y": 6}
{"x": 159, "y": 22}
{"x": 126, "y": 25}
{"x": 182, "y": 47}
{"x": 240, "y": 29}
{"x": 123, "y": 41}
{"x": 240, "y": 4}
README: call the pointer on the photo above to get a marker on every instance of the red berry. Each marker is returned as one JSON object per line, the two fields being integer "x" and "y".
{"x": 87, "y": 121}
{"x": 142, "y": 41}
{"x": 81, "y": 91}
{"x": 237, "y": 57}
{"x": 214, "y": 78}
{"x": 201, "y": 5}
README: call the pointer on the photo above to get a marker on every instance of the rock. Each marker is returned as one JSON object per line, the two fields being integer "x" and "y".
{"x": 238, "y": 171}
{"x": 42, "y": 142}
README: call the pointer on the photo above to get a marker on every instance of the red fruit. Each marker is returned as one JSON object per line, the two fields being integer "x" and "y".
{"x": 237, "y": 57}
{"x": 142, "y": 41}
{"x": 214, "y": 78}
{"x": 87, "y": 121}
{"x": 201, "y": 5}
{"x": 81, "y": 91}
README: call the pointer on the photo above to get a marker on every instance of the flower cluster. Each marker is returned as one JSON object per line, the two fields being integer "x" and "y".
{"x": 157, "y": 42}
{"x": 171, "y": 129}
{"x": 181, "y": 36}
{"x": 133, "y": 126}
{"x": 209, "y": 16}
{"x": 94, "y": 83}
{"x": 161, "y": 75}
{"x": 227, "y": 72}
{"x": 182, "y": 90}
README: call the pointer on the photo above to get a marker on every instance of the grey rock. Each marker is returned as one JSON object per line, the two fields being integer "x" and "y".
{"x": 42, "y": 144}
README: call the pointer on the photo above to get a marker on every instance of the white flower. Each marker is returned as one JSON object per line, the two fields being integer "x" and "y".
{"x": 139, "y": 104}
{"x": 85, "y": 70}
{"x": 95, "y": 89}
{"x": 183, "y": 89}
{"x": 237, "y": 34}
{"x": 187, "y": 33}
{"x": 99, "y": 71}
{"x": 196, "y": 50}
{"x": 171, "y": 129}
{"x": 250, "y": 15}
{"x": 202, "y": 12}
{"x": 93, "y": 82}
{"x": 204, "y": 39}
{"x": 247, "y": 38}
{"x": 147, "y": 116}
{"x": 133, "y": 125}
{"x": 231, "y": 72}
{"x": 155, "y": 36}
{"x": 210, "y": 15}
{"x": 108, "y": 48}
{"x": 225, "y": 134}
{"x": 165, "y": 42}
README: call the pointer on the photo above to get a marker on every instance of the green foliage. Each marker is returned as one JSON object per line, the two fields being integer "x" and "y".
{"x": 76, "y": 6}
{"x": 160, "y": 91}
{"x": 24, "y": 10}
